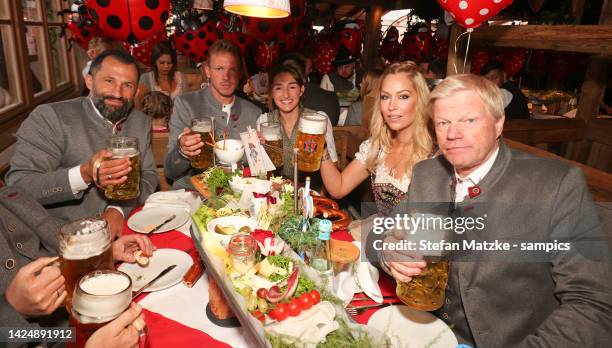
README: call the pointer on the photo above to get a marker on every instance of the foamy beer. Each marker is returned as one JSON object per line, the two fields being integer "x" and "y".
{"x": 310, "y": 141}
{"x": 426, "y": 291}
{"x": 85, "y": 246}
{"x": 204, "y": 159}
{"x": 99, "y": 298}
{"x": 272, "y": 134}
{"x": 125, "y": 147}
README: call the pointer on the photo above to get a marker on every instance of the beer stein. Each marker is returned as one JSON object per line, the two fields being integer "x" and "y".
{"x": 274, "y": 142}
{"x": 310, "y": 141}
{"x": 204, "y": 159}
{"x": 121, "y": 147}
{"x": 84, "y": 246}
{"x": 99, "y": 298}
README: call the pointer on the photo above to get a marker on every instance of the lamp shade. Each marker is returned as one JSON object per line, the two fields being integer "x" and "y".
{"x": 259, "y": 8}
{"x": 203, "y": 4}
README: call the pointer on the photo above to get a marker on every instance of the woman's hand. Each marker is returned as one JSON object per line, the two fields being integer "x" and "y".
{"x": 125, "y": 247}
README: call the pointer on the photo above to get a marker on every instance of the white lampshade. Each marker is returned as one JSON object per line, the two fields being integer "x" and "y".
{"x": 259, "y": 8}
{"x": 203, "y": 4}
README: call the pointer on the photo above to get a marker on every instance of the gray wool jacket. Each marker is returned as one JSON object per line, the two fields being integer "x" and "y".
{"x": 517, "y": 298}
{"x": 200, "y": 104}
{"x": 27, "y": 232}
{"x": 58, "y": 136}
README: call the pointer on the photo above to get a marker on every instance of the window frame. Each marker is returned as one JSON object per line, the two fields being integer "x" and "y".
{"x": 18, "y": 111}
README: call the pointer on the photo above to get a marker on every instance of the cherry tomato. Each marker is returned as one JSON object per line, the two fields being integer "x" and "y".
{"x": 316, "y": 297}
{"x": 259, "y": 315}
{"x": 262, "y": 293}
{"x": 306, "y": 301}
{"x": 295, "y": 307}
{"x": 280, "y": 312}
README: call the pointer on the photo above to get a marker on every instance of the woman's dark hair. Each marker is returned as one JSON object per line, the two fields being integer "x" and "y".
{"x": 288, "y": 67}
{"x": 159, "y": 50}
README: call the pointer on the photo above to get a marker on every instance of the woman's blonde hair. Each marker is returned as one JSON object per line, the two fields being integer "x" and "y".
{"x": 157, "y": 105}
{"x": 382, "y": 137}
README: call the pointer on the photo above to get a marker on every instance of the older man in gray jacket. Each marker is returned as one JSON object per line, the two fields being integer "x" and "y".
{"x": 551, "y": 284}
{"x": 61, "y": 157}
{"x": 218, "y": 100}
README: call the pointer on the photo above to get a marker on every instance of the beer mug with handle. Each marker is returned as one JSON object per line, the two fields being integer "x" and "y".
{"x": 85, "y": 246}
{"x": 274, "y": 142}
{"x": 426, "y": 291}
{"x": 122, "y": 147}
{"x": 99, "y": 298}
{"x": 204, "y": 159}
{"x": 310, "y": 141}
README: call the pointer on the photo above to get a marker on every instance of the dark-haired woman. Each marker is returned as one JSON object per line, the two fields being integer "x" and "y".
{"x": 285, "y": 92}
{"x": 164, "y": 77}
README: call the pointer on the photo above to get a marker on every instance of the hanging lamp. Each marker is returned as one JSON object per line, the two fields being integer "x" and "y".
{"x": 259, "y": 8}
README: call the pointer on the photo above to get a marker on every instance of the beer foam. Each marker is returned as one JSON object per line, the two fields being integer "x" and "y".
{"x": 91, "y": 239}
{"x": 313, "y": 124}
{"x": 201, "y": 128}
{"x": 129, "y": 152}
{"x": 105, "y": 296}
{"x": 272, "y": 137}
{"x": 105, "y": 284}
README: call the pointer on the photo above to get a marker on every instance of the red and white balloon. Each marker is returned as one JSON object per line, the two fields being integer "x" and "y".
{"x": 142, "y": 50}
{"x": 472, "y": 13}
{"x": 195, "y": 44}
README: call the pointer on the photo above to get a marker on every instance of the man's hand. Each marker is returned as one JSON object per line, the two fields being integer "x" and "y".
{"x": 114, "y": 219}
{"x": 401, "y": 264}
{"x": 37, "y": 289}
{"x": 190, "y": 144}
{"x": 125, "y": 246}
{"x": 121, "y": 332}
{"x": 110, "y": 171}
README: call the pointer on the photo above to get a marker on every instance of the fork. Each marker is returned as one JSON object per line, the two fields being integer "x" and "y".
{"x": 356, "y": 310}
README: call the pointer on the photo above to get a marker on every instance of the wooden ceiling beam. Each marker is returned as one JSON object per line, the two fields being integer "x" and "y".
{"x": 594, "y": 39}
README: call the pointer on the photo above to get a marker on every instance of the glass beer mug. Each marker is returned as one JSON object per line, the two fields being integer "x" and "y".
{"x": 310, "y": 141}
{"x": 272, "y": 134}
{"x": 426, "y": 291}
{"x": 204, "y": 159}
{"x": 84, "y": 246}
{"x": 122, "y": 147}
{"x": 99, "y": 298}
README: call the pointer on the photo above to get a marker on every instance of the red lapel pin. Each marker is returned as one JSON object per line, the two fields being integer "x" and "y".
{"x": 474, "y": 191}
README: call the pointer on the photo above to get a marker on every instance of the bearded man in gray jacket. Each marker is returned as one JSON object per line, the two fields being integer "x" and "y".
{"x": 61, "y": 157}
{"x": 218, "y": 100}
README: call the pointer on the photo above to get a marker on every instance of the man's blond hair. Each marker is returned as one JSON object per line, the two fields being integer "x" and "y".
{"x": 488, "y": 92}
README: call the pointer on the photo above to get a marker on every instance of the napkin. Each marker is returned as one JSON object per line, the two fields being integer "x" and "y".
{"x": 361, "y": 277}
{"x": 174, "y": 199}
{"x": 164, "y": 332}
{"x": 309, "y": 328}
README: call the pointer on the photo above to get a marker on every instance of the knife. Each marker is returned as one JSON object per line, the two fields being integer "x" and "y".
{"x": 162, "y": 224}
{"x": 163, "y": 273}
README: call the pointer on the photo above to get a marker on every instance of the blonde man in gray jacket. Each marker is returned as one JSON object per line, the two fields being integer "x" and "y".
{"x": 218, "y": 100}
{"x": 60, "y": 144}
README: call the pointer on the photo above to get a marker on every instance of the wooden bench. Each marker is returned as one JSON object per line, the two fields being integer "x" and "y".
{"x": 159, "y": 143}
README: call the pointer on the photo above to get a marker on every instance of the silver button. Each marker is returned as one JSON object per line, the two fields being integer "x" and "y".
{"x": 9, "y": 264}
{"x": 448, "y": 300}
{"x": 19, "y": 245}
{"x": 445, "y": 316}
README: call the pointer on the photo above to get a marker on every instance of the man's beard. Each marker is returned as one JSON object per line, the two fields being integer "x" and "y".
{"x": 112, "y": 113}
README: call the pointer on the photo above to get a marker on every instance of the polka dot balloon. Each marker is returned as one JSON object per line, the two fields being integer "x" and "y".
{"x": 472, "y": 13}
{"x": 132, "y": 21}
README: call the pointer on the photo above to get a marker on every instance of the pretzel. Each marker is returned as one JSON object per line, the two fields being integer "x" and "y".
{"x": 339, "y": 219}
{"x": 325, "y": 202}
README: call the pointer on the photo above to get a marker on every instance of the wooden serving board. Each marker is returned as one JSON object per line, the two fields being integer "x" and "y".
{"x": 200, "y": 186}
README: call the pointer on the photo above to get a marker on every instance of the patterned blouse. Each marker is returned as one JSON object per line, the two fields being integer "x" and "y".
{"x": 388, "y": 190}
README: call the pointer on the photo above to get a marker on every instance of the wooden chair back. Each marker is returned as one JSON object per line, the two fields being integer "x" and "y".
{"x": 159, "y": 143}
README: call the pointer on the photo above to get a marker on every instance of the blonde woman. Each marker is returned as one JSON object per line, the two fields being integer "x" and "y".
{"x": 399, "y": 139}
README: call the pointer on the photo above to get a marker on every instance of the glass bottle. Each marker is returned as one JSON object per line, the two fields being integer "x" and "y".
{"x": 321, "y": 257}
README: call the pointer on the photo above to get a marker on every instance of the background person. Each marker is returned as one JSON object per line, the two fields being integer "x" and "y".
{"x": 158, "y": 106}
{"x": 517, "y": 107}
{"x": 163, "y": 76}
{"x": 370, "y": 84}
